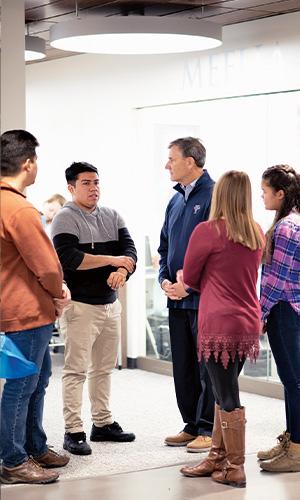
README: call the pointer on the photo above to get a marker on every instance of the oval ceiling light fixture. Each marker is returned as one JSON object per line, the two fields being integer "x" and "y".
{"x": 135, "y": 35}
{"x": 35, "y": 48}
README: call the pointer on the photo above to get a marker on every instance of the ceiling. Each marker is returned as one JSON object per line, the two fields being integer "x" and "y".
{"x": 40, "y": 15}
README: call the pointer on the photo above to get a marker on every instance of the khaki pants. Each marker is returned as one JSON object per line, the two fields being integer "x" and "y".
{"x": 92, "y": 334}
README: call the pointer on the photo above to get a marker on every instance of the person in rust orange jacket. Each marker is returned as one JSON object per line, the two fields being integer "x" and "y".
{"x": 33, "y": 295}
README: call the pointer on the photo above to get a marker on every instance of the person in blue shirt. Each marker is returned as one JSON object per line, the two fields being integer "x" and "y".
{"x": 187, "y": 208}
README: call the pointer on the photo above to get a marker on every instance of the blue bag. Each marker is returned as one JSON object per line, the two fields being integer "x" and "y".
{"x": 13, "y": 363}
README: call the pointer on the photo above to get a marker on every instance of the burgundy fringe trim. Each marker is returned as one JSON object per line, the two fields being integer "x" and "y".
{"x": 248, "y": 348}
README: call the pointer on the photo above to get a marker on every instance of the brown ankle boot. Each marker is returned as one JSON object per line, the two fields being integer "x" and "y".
{"x": 216, "y": 454}
{"x": 288, "y": 461}
{"x": 283, "y": 443}
{"x": 233, "y": 431}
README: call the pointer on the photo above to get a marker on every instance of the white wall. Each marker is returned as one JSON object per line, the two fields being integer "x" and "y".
{"x": 82, "y": 108}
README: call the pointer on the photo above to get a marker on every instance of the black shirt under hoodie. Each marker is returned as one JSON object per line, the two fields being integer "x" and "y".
{"x": 101, "y": 232}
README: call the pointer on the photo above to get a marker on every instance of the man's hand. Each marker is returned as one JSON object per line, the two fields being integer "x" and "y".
{"x": 116, "y": 279}
{"x": 123, "y": 261}
{"x": 179, "y": 276}
{"x": 177, "y": 289}
{"x": 179, "y": 279}
{"x": 61, "y": 303}
{"x": 166, "y": 286}
{"x": 174, "y": 291}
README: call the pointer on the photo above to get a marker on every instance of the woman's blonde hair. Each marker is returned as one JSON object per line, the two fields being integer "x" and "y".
{"x": 232, "y": 201}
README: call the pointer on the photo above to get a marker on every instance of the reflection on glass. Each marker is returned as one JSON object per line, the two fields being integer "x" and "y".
{"x": 157, "y": 324}
{"x": 261, "y": 141}
{"x": 265, "y": 367}
{"x": 261, "y": 367}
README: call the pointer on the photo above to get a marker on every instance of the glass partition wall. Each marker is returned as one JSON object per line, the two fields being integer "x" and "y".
{"x": 247, "y": 133}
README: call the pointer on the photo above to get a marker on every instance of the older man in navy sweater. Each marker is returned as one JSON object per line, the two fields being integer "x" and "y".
{"x": 187, "y": 208}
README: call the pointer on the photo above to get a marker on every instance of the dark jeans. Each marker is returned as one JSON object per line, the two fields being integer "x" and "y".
{"x": 283, "y": 327}
{"x": 22, "y": 403}
{"x": 225, "y": 382}
{"x": 192, "y": 384}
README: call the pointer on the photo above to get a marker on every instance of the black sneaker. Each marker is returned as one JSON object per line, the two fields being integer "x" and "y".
{"x": 112, "y": 432}
{"x": 75, "y": 442}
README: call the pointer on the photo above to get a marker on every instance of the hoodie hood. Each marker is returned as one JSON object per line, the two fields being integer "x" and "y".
{"x": 73, "y": 206}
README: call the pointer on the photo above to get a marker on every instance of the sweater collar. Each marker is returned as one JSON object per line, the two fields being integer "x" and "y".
{"x": 8, "y": 187}
{"x": 201, "y": 181}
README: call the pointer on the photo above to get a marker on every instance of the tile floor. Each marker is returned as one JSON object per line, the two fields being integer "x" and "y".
{"x": 164, "y": 483}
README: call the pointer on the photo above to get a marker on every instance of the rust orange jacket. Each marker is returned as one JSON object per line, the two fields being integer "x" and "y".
{"x": 31, "y": 275}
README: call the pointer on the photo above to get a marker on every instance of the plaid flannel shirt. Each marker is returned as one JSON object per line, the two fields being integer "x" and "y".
{"x": 281, "y": 277}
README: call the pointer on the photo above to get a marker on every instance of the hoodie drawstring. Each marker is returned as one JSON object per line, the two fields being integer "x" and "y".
{"x": 85, "y": 220}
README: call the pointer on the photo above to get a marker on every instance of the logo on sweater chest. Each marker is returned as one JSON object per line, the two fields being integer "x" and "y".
{"x": 196, "y": 209}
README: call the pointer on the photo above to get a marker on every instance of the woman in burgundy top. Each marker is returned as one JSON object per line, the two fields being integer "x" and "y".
{"x": 221, "y": 263}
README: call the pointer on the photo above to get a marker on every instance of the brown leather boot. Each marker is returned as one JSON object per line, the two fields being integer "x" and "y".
{"x": 233, "y": 431}
{"x": 216, "y": 454}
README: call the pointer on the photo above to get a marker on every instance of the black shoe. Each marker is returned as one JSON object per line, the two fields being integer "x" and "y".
{"x": 75, "y": 442}
{"x": 112, "y": 432}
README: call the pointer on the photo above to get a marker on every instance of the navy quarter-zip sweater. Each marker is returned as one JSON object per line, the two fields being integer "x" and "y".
{"x": 180, "y": 220}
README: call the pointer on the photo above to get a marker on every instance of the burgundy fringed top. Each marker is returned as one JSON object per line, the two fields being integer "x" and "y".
{"x": 225, "y": 274}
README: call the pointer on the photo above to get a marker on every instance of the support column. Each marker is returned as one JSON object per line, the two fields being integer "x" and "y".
{"x": 13, "y": 107}
{"x": 12, "y": 101}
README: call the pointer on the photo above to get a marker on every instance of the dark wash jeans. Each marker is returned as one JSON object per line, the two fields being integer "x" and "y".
{"x": 283, "y": 327}
{"x": 22, "y": 403}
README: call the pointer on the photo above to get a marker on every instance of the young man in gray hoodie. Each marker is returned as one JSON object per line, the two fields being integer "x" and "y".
{"x": 98, "y": 255}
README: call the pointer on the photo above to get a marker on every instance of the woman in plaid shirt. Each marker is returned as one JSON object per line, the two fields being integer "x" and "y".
{"x": 280, "y": 303}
